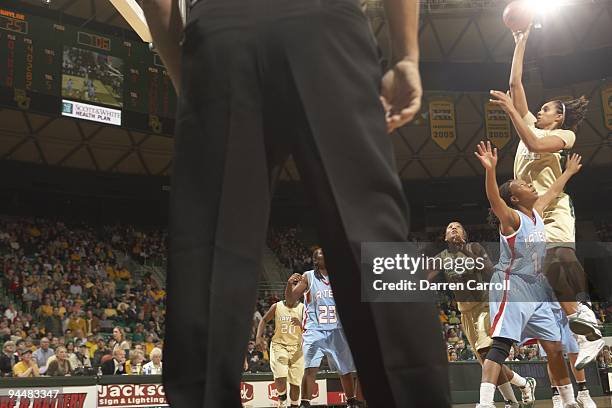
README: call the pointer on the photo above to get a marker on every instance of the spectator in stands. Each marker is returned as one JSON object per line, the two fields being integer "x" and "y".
{"x": 27, "y": 366}
{"x": 92, "y": 323}
{"x": 149, "y": 344}
{"x": 255, "y": 358}
{"x": 154, "y": 367}
{"x": 53, "y": 323}
{"x": 115, "y": 365}
{"x": 46, "y": 309}
{"x": 453, "y": 319}
{"x": 451, "y": 336}
{"x": 81, "y": 358}
{"x": 5, "y": 330}
{"x": 134, "y": 364}
{"x": 11, "y": 313}
{"x": 101, "y": 350}
{"x": 106, "y": 325}
{"x": 42, "y": 354}
{"x": 463, "y": 353}
{"x": 59, "y": 365}
{"x": 443, "y": 317}
{"x": 533, "y": 354}
{"x": 522, "y": 354}
{"x": 452, "y": 355}
{"x": 76, "y": 322}
{"x": 120, "y": 340}
{"x": 110, "y": 310}
{"x": 8, "y": 359}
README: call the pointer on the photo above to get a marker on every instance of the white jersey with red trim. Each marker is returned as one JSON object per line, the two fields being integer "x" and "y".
{"x": 522, "y": 253}
{"x": 522, "y": 309}
{"x": 319, "y": 304}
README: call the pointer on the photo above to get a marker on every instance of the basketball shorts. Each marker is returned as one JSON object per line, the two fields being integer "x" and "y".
{"x": 287, "y": 361}
{"x": 560, "y": 223}
{"x": 522, "y": 311}
{"x": 476, "y": 324}
{"x": 568, "y": 341}
{"x": 329, "y": 343}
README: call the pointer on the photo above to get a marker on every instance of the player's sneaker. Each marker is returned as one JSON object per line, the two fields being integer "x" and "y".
{"x": 584, "y": 399}
{"x": 528, "y": 391}
{"x": 485, "y": 406}
{"x": 588, "y": 351}
{"x": 573, "y": 405}
{"x": 510, "y": 404}
{"x": 556, "y": 400}
{"x": 585, "y": 323}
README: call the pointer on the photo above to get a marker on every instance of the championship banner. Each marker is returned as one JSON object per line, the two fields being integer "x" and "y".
{"x": 132, "y": 396}
{"x": 442, "y": 122}
{"x": 606, "y": 104}
{"x": 498, "y": 125}
{"x": 260, "y": 394}
{"x": 49, "y": 397}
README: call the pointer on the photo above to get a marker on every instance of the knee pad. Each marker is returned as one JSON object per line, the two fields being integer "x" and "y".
{"x": 500, "y": 349}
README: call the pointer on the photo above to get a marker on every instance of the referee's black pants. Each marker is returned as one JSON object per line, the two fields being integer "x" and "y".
{"x": 263, "y": 79}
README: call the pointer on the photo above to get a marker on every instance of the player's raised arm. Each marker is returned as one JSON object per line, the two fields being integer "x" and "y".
{"x": 261, "y": 326}
{"x": 572, "y": 167}
{"x": 546, "y": 144}
{"x": 296, "y": 286}
{"x": 508, "y": 218}
{"x": 517, "y": 92}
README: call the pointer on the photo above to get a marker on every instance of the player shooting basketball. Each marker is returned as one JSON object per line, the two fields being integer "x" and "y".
{"x": 538, "y": 160}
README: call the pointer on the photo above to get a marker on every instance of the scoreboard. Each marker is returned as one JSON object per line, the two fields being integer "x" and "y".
{"x": 50, "y": 62}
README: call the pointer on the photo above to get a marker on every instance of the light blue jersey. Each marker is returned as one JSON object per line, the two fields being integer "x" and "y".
{"x": 323, "y": 334}
{"x": 523, "y": 309}
{"x": 522, "y": 253}
{"x": 319, "y": 304}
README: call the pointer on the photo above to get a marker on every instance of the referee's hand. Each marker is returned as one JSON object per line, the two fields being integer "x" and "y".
{"x": 401, "y": 93}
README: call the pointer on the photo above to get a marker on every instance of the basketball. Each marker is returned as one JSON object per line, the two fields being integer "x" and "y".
{"x": 518, "y": 15}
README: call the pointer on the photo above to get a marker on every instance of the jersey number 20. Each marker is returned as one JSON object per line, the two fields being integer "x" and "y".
{"x": 327, "y": 314}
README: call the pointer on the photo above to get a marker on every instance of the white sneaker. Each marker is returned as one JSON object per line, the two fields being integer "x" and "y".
{"x": 510, "y": 404}
{"x": 584, "y": 398}
{"x": 528, "y": 391}
{"x": 572, "y": 405}
{"x": 585, "y": 323}
{"x": 485, "y": 406}
{"x": 588, "y": 351}
{"x": 556, "y": 400}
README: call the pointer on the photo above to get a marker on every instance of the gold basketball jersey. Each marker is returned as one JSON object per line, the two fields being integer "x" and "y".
{"x": 285, "y": 331}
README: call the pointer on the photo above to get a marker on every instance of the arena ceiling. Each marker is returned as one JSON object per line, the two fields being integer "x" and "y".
{"x": 451, "y": 32}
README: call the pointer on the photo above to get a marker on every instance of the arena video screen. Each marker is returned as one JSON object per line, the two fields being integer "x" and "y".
{"x": 92, "y": 77}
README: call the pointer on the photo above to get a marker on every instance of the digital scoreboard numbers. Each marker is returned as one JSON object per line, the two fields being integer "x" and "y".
{"x": 41, "y": 56}
{"x": 28, "y": 59}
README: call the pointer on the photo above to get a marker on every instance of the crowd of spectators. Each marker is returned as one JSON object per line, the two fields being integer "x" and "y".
{"x": 64, "y": 294}
{"x": 289, "y": 249}
{"x": 604, "y": 231}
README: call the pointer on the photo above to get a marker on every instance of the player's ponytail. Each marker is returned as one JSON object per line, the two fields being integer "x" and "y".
{"x": 506, "y": 195}
{"x": 573, "y": 112}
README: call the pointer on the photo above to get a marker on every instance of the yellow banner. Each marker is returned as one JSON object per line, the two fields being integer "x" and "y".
{"x": 606, "y": 104}
{"x": 442, "y": 122}
{"x": 498, "y": 125}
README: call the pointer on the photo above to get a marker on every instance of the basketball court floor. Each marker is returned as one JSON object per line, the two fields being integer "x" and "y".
{"x": 602, "y": 402}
